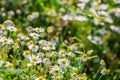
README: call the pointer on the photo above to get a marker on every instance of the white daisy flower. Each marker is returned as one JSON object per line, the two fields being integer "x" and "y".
{"x": 105, "y": 71}
{"x": 95, "y": 39}
{"x": 46, "y": 61}
{"x": 26, "y": 53}
{"x": 71, "y": 54}
{"x": 74, "y": 46}
{"x": 8, "y": 23}
{"x": 23, "y": 37}
{"x": 40, "y": 78}
{"x": 6, "y": 41}
{"x": 29, "y": 29}
{"x": 89, "y": 52}
{"x": 62, "y": 53}
{"x": 102, "y": 31}
{"x": 51, "y": 45}
{"x": 41, "y": 54}
{"x": 117, "y": 12}
{"x": 63, "y": 62}
{"x": 30, "y": 18}
{"x": 115, "y": 28}
{"x": 12, "y": 29}
{"x": 55, "y": 68}
{"x": 35, "y": 14}
{"x": 33, "y": 47}
{"x": 18, "y": 11}
{"x": 9, "y": 66}
{"x": 39, "y": 30}
{"x": 84, "y": 57}
{"x": 35, "y": 59}
{"x": 34, "y": 35}
{"x": 3, "y": 31}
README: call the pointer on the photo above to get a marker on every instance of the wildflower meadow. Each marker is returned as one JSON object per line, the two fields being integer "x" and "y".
{"x": 59, "y": 39}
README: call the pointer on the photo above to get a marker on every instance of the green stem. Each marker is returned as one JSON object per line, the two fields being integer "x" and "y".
{"x": 100, "y": 77}
{"x": 96, "y": 74}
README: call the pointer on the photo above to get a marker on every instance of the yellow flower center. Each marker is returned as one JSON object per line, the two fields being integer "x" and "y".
{"x": 27, "y": 52}
{"x": 34, "y": 34}
{"x": 29, "y": 16}
{"x": 30, "y": 27}
{"x": 85, "y": 55}
{"x": 47, "y": 59}
{"x": 30, "y": 41}
{"x": 104, "y": 70}
{"x": 40, "y": 78}
{"x": 97, "y": 41}
{"x": 118, "y": 12}
{"x": 62, "y": 52}
{"x": 99, "y": 3}
{"x": 38, "y": 30}
{"x": 102, "y": 61}
{"x": 3, "y": 29}
{"x": 74, "y": 74}
{"x": 51, "y": 45}
{"x": 63, "y": 61}
{"x": 10, "y": 65}
{"x": 33, "y": 46}
{"x": 11, "y": 28}
{"x": 5, "y": 40}
{"x": 34, "y": 59}
{"x": 82, "y": 78}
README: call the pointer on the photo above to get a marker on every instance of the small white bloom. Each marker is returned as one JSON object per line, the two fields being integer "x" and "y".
{"x": 29, "y": 29}
{"x": 117, "y": 12}
{"x": 18, "y": 11}
{"x": 9, "y": 66}
{"x": 39, "y": 30}
{"x": 12, "y": 29}
{"x": 11, "y": 13}
{"x": 41, "y": 54}
{"x": 23, "y": 37}
{"x": 29, "y": 64}
{"x": 102, "y": 31}
{"x": 71, "y": 54}
{"x": 35, "y": 59}
{"x": 62, "y": 53}
{"x": 95, "y": 39}
{"x": 63, "y": 62}
{"x": 46, "y": 61}
{"x": 108, "y": 20}
{"x": 33, "y": 47}
{"x": 26, "y": 53}
{"x": 40, "y": 78}
{"x": 55, "y": 68}
{"x": 34, "y": 35}
{"x": 115, "y": 28}
{"x": 51, "y": 45}
{"x": 105, "y": 71}
{"x": 35, "y": 14}
{"x": 74, "y": 46}
{"x": 84, "y": 57}
{"x": 89, "y": 52}
{"x": 6, "y": 41}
